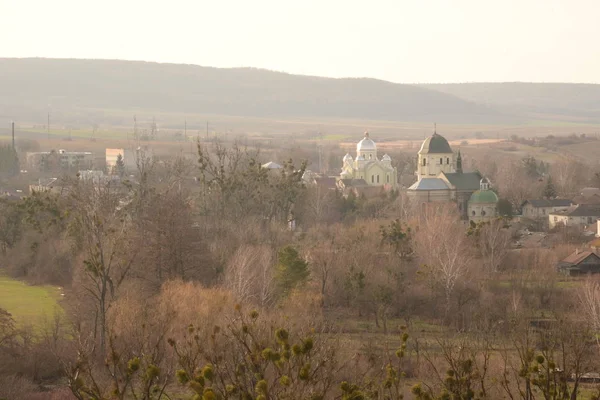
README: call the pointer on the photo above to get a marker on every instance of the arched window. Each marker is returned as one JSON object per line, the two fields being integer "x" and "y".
{"x": 483, "y": 213}
{"x": 441, "y": 161}
{"x": 388, "y": 178}
{"x": 473, "y": 213}
{"x": 372, "y": 178}
{"x": 424, "y": 161}
{"x": 377, "y": 178}
{"x": 370, "y": 156}
{"x": 447, "y": 160}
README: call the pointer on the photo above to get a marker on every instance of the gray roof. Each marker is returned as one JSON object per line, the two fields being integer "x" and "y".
{"x": 354, "y": 182}
{"x": 435, "y": 144}
{"x": 429, "y": 184}
{"x": 464, "y": 180}
{"x": 538, "y": 203}
{"x": 580, "y": 210}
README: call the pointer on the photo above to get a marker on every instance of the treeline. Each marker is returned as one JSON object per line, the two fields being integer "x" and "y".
{"x": 198, "y": 288}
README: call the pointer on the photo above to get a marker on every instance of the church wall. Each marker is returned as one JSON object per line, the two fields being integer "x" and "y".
{"x": 429, "y": 196}
{"x": 432, "y": 167}
{"x": 482, "y": 212}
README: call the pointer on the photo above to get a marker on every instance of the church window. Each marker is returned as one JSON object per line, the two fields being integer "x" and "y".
{"x": 424, "y": 162}
{"x": 483, "y": 213}
{"x": 388, "y": 178}
{"x": 447, "y": 160}
{"x": 370, "y": 156}
{"x": 377, "y": 178}
{"x": 441, "y": 161}
{"x": 473, "y": 213}
{"x": 372, "y": 178}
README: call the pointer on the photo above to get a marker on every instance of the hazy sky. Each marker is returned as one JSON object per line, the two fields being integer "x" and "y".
{"x": 398, "y": 40}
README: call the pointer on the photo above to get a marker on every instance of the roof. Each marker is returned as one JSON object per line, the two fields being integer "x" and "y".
{"x": 429, "y": 184}
{"x": 435, "y": 144}
{"x": 329, "y": 183}
{"x": 272, "y": 165}
{"x": 580, "y": 210}
{"x": 578, "y": 257}
{"x": 590, "y": 191}
{"x": 484, "y": 196}
{"x": 463, "y": 180}
{"x": 581, "y": 199}
{"x": 539, "y": 203}
{"x": 594, "y": 243}
{"x": 354, "y": 182}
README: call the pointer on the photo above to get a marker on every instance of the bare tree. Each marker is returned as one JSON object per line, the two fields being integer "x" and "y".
{"x": 100, "y": 229}
{"x": 441, "y": 244}
{"x": 493, "y": 241}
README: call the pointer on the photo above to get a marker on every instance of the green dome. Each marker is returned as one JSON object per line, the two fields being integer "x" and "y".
{"x": 484, "y": 196}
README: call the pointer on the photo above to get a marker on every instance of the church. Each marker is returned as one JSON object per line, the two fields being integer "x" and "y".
{"x": 367, "y": 170}
{"x": 440, "y": 178}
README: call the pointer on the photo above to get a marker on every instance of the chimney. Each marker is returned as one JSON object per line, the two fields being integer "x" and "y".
{"x": 577, "y": 250}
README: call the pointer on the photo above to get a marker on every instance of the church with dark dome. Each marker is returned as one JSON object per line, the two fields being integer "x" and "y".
{"x": 440, "y": 178}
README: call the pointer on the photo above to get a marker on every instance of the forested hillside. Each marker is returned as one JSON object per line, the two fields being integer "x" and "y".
{"x": 70, "y": 86}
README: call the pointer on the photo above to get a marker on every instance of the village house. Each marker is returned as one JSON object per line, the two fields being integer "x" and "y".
{"x": 580, "y": 263}
{"x": 580, "y": 215}
{"x": 541, "y": 208}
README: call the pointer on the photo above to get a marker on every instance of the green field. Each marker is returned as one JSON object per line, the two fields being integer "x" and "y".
{"x": 29, "y": 305}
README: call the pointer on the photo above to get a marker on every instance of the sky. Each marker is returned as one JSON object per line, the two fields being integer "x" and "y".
{"x": 404, "y": 41}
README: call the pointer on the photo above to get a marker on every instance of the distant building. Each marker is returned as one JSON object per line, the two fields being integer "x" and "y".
{"x": 129, "y": 158}
{"x": 580, "y": 263}
{"x": 53, "y": 185}
{"x": 368, "y": 167}
{"x": 541, "y": 208}
{"x": 52, "y": 160}
{"x": 576, "y": 215}
{"x": 440, "y": 178}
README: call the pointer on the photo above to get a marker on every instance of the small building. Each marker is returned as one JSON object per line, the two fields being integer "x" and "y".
{"x": 53, "y": 185}
{"x": 483, "y": 204}
{"x": 541, "y": 208}
{"x": 580, "y": 263}
{"x": 579, "y": 215}
{"x": 49, "y": 160}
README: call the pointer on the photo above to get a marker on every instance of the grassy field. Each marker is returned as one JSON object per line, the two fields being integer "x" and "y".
{"x": 29, "y": 305}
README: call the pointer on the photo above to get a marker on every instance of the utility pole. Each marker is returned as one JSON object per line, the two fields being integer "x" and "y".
{"x": 13, "y": 135}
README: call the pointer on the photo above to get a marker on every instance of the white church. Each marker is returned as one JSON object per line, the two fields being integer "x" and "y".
{"x": 367, "y": 169}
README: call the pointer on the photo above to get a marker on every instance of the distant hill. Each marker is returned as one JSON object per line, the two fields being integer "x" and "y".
{"x": 564, "y": 101}
{"x": 28, "y": 86}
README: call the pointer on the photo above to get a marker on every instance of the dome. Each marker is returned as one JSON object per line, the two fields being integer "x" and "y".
{"x": 366, "y": 144}
{"x": 435, "y": 144}
{"x": 386, "y": 158}
{"x": 484, "y": 196}
{"x": 347, "y": 157}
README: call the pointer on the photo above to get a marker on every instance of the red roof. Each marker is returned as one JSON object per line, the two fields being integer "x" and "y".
{"x": 577, "y": 257}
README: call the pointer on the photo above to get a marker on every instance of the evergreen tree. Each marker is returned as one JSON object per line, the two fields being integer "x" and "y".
{"x": 292, "y": 270}
{"x": 120, "y": 166}
{"x": 549, "y": 190}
